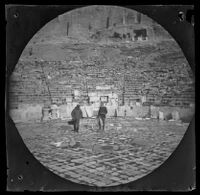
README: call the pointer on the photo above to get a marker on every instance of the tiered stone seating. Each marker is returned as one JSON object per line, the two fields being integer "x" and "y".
{"x": 147, "y": 73}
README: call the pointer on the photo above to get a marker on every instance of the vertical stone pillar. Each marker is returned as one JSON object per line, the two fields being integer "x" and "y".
{"x": 115, "y": 114}
{"x": 161, "y": 116}
{"x": 154, "y": 112}
{"x": 54, "y": 111}
{"x": 175, "y": 115}
{"x": 124, "y": 18}
{"x": 107, "y": 22}
{"x": 138, "y": 18}
{"x": 45, "y": 114}
{"x": 67, "y": 28}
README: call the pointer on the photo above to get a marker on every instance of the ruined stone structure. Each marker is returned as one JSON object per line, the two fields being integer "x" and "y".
{"x": 123, "y": 59}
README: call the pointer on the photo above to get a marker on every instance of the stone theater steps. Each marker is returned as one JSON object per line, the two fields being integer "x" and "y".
{"x": 31, "y": 90}
{"x": 154, "y": 67}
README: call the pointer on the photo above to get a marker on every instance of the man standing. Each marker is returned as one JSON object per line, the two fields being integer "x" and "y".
{"x": 76, "y": 116}
{"x": 101, "y": 116}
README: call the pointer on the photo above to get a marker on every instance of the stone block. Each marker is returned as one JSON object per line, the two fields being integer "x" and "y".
{"x": 88, "y": 110}
{"x": 143, "y": 99}
{"x": 94, "y": 98}
{"x": 175, "y": 115}
{"x": 64, "y": 145}
{"x": 154, "y": 112}
{"x": 105, "y": 87}
{"x": 161, "y": 116}
{"x": 92, "y": 94}
{"x": 62, "y": 109}
{"x": 72, "y": 142}
{"x": 68, "y": 99}
{"x": 54, "y": 113}
{"x": 138, "y": 103}
{"x": 76, "y": 93}
{"x": 26, "y": 113}
{"x": 15, "y": 115}
{"x": 120, "y": 111}
{"x": 111, "y": 111}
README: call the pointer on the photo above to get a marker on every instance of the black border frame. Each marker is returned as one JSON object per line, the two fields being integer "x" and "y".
{"x": 176, "y": 174}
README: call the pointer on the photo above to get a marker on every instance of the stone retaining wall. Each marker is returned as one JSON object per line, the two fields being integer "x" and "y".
{"x": 27, "y": 112}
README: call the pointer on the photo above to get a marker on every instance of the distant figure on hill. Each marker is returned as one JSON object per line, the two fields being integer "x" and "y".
{"x": 101, "y": 116}
{"x": 76, "y": 116}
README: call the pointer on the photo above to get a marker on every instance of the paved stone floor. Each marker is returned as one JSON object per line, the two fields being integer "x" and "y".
{"x": 128, "y": 150}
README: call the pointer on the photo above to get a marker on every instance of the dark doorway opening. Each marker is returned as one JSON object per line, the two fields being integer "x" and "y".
{"x": 140, "y": 33}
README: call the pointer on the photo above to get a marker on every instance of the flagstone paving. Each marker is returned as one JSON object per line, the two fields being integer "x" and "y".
{"x": 126, "y": 151}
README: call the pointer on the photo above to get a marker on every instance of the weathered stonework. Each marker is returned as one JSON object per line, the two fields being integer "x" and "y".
{"x": 143, "y": 72}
